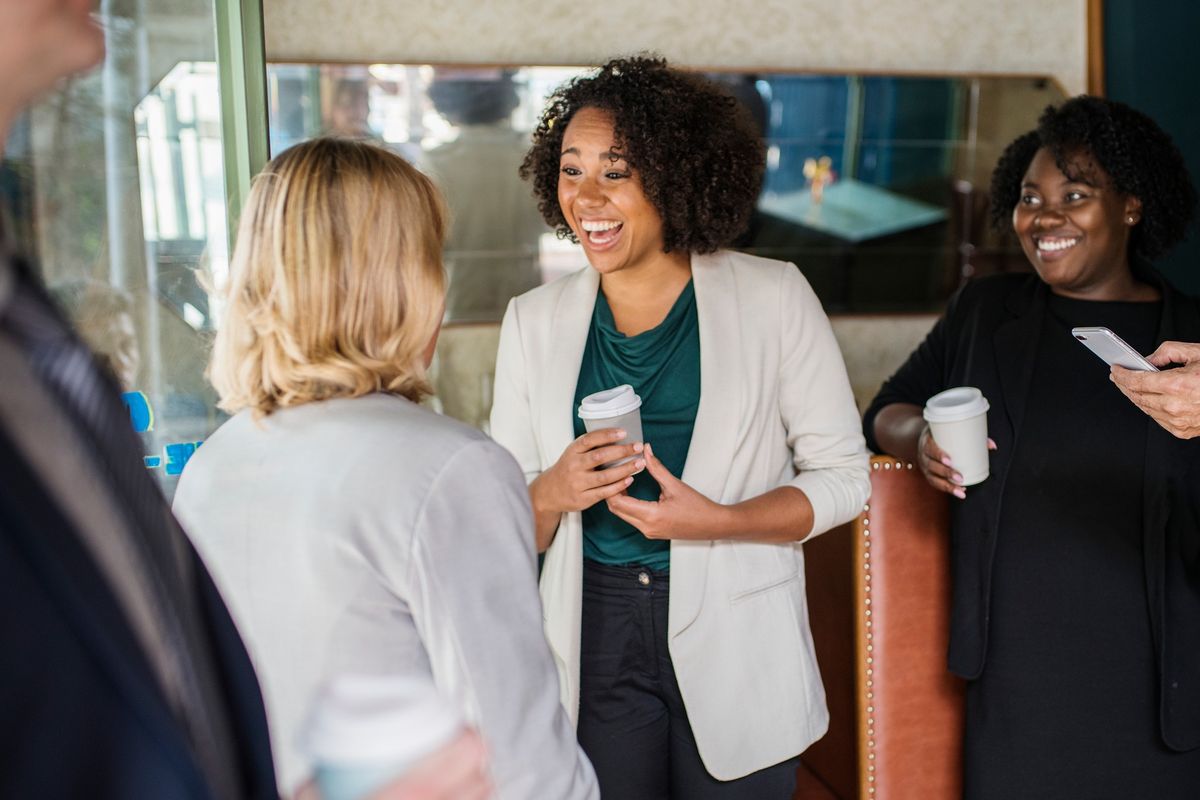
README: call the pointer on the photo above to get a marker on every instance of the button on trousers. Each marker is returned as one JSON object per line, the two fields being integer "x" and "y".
{"x": 632, "y": 722}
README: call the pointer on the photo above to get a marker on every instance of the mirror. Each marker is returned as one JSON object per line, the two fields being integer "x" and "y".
{"x": 875, "y": 185}
{"x": 876, "y": 188}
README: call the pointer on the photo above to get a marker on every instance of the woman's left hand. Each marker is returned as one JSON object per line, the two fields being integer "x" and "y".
{"x": 680, "y": 512}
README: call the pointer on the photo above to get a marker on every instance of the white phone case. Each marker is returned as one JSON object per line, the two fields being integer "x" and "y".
{"x": 1112, "y": 348}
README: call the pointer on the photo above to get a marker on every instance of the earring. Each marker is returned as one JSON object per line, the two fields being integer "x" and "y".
{"x": 1130, "y": 219}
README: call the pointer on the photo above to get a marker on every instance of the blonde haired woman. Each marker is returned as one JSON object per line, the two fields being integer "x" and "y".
{"x": 350, "y": 529}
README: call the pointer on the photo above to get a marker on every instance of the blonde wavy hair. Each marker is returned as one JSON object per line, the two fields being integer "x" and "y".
{"x": 336, "y": 283}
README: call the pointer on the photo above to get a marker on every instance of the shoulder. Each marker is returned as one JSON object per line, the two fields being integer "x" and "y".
{"x": 374, "y": 434}
{"x": 475, "y": 480}
{"x": 395, "y": 436}
{"x": 1005, "y": 295}
{"x": 227, "y": 440}
{"x": 1001, "y": 287}
{"x": 1186, "y": 308}
{"x": 479, "y": 467}
{"x": 531, "y": 316}
{"x": 388, "y": 428}
{"x": 746, "y": 265}
{"x": 754, "y": 279}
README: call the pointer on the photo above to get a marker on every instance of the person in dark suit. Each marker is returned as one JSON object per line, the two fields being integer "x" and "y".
{"x": 1076, "y": 603}
{"x": 121, "y": 674}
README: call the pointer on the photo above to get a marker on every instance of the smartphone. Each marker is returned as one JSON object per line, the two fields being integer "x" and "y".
{"x": 1112, "y": 349}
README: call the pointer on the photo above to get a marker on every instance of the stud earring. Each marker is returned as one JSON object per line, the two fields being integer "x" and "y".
{"x": 1130, "y": 219}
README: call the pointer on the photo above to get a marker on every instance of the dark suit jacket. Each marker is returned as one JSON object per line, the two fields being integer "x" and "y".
{"x": 81, "y": 714}
{"x": 988, "y": 338}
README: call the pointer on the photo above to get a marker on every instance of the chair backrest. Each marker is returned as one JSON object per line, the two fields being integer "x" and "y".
{"x": 909, "y": 706}
{"x": 879, "y": 600}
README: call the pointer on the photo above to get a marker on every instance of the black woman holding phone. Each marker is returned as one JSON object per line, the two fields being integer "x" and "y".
{"x": 1076, "y": 603}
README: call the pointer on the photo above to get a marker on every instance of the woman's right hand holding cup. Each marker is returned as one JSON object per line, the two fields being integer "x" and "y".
{"x": 575, "y": 481}
{"x": 936, "y": 466}
{"x": 958, "y": 417}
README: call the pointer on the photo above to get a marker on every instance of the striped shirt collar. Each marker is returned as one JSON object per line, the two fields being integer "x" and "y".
{"x": 6, "y": 278}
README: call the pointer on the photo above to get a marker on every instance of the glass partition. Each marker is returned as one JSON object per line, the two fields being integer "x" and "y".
{"x": 116, "y": 190}
{"x": 875, "y": 186}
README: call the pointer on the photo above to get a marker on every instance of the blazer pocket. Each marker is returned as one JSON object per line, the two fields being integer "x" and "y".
{"x": 770, "y": 586}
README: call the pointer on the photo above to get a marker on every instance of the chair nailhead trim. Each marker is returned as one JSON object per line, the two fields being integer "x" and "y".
{"x": 869, "y": 671}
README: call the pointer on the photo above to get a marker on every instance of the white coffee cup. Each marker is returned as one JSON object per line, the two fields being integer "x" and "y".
{"x": 958, "y": 421}
{"x": 364, "y": 731}
{"x": 619, "y": 407}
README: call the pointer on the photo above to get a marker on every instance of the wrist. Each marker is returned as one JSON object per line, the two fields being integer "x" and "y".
{"x": 724, "y": 521}
{"x": 537, "y": 497}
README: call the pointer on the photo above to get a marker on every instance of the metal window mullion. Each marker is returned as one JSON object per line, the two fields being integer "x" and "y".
{"x": 242, "y": 70}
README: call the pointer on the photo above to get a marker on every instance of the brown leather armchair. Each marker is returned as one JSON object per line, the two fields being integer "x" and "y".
{"x": 879, "y": 591}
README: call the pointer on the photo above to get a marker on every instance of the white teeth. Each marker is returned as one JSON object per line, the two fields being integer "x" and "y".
{"x": 592, "y": 226}
{"x": 1056, "y": 244}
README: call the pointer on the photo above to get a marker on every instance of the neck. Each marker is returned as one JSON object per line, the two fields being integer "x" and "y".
{"x": 665, "y": 274}
{"x": 1123, "y": 287}
{"x": 641, "y": 297}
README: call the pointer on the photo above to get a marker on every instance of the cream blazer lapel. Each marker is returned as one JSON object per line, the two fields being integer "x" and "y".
{"x": 572, "y": 321}
{"x": 562, "y": 574}
{"x": 717, "y": 419}
{"x": 722, "y": 388}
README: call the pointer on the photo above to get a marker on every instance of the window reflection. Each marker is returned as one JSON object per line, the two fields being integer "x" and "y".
{"x": 115, "y": 190}
{"x": 467, "y": 127}
{"x": 180, "y": 165}
{"x": 903, "y": 163}
{"x": 908, "y": 158}
{"x": 492, "y": 251}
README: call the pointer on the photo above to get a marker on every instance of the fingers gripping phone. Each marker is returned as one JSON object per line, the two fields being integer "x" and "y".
{"x": 1112, "y": 349}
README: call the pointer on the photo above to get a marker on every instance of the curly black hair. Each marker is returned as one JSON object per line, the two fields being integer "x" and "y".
{"x": 696, "y": 149}
{"x": 1138, "y": 157}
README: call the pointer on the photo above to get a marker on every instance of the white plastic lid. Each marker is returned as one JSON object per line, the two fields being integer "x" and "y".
{"x": 955, "y": 405}
{"x": 369, "y": 719}
{"x": 610, "y": 403}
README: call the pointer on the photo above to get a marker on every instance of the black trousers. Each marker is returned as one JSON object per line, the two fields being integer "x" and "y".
{"x": 632, "y": 723}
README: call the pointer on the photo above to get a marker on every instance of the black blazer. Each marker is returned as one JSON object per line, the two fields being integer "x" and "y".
{"x": 81, "y": 714}
{"x": 988, "y": 338}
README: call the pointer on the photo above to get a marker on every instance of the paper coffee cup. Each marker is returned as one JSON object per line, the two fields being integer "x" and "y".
{"x": 614, "y": 408}
{"x": 958, "y": 421}
{"x": 364, "y": 731}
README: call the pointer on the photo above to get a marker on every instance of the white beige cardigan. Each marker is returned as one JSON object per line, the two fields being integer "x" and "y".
{"x": 775, "y": 410}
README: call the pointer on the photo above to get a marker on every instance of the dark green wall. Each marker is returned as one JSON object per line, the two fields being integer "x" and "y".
{"x": 1152, "y": 62}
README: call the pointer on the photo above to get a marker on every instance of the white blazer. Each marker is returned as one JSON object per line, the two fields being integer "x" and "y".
{"x": 775, "y": 410}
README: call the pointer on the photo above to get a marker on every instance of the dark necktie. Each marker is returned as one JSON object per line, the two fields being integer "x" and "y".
{"x": 92, "y": 401}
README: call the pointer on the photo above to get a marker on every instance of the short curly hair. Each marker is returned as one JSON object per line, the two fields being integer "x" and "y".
{"x": 697, "y": 150}
{"x": 1138, "y": 157}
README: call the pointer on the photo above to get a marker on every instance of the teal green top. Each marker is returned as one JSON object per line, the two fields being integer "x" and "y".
{"x": 663, "y": 367}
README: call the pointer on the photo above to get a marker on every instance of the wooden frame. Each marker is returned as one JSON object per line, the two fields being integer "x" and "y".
{"x": 1095, "y": 47}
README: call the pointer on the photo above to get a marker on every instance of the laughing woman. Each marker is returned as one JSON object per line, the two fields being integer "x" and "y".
{"x": 708, "y": 688}
{"x": 1076, "y": 610}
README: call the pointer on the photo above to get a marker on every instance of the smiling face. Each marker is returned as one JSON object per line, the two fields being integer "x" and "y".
{"x": 1075, "y": 230}
{"x": 602, "y": 199}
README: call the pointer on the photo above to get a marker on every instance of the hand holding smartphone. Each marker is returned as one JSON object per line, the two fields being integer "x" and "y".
{"x": 1112, "y": 349}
